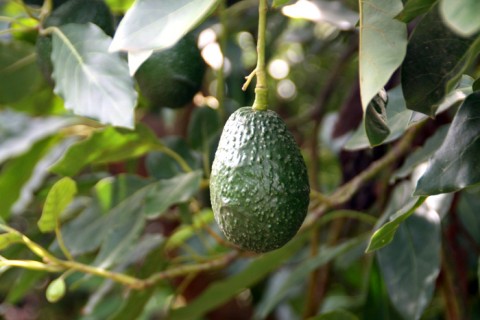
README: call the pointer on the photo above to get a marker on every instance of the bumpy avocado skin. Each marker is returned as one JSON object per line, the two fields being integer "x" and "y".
{"x": 170, "y": 78}
{"x": 259, "y": 184}
{"x": 72, "y": 11}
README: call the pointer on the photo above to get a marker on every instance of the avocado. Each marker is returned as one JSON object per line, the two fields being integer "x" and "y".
{"x": 259, "y": 185}
{"x": 72, "y": 11}
{"x": 170, "y": 78}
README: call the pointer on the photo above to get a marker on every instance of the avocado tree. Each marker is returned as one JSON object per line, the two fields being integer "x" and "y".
{"x": 212, "y": 159}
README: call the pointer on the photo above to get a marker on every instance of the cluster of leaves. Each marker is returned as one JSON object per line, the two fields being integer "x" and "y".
{"x": 91, "y": 206}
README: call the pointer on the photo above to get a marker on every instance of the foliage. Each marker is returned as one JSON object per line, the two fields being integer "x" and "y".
{"x": 105, "y": 209}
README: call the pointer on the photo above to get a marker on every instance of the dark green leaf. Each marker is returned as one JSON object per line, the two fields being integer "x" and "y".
{"x": 58, "y": 198}
{"x": 161, "y": 166}
{"x": 383, "y": 42}
{"x": 467, "y": 211}
{"x": 221, "y": 291}
{"x": 436, "y": 58}
{"x": 476, "y": 85}
{"x": 335, "y": 315}
{"x": 422, "y": 154}
{"x": 17, "y": 172}
{"x": 18, "y": 71}
{"x": 376, "y": 126}
{"x": 24, "y": 284}
{"x": 93, "y": 82}
{"x": 204, "y": 124}
{"x": 461, "y": 16}
{"x": 278, "y": 3}
{"x": 172, "y": 191}
{"x": 18, "y": 132}
{"x": 104, "y": 146}
{"x": 411, "y": 263}
{"x": 7, "y": 239}
{"x": 386, "y": 233}
{"x": 415, "y": 8}
{"x": 303, "y": 270}
{"x": 453, "y": 166}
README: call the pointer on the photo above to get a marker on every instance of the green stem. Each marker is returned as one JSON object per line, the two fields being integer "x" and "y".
{"x": 175, "y": 156}
{"x": 261, "y": 89}
{"x": 61, "y": 243}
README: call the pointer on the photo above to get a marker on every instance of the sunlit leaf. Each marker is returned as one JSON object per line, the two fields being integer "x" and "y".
{"x": 383, "y": 42}
{"x": 278, "y": 3}
{"x": 453, "y": 166}
{"x": 461, "y": 15}
{"x": 411, "y": 263}
{"x": 335, "y": 315}
{"x": 93, "y": 82}
{"x": 153, "y": 24}
{"x": 58, "y": 198}
{"x": 18, "y": 71}
{"x": 435, "y": 60}
{"x": 104, "y": 146}
{"x": 172, "y": 191}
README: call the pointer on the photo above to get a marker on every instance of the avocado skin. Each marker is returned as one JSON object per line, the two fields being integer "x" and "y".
{"x": 170, "y": 78}
{"x": 259, "y": 185}
{"x": 72, "y": 11}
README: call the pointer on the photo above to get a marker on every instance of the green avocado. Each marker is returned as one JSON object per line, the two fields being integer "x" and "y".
{"x": 170, "y": 78}
{"x": 259, "y": 184}
{"x": 72, "y": 11}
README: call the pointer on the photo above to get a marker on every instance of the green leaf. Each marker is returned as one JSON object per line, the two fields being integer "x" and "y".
{"x": 436, "y": 58}
{"x": 302, "y": 271}
{"x": 58, "y": 198}
{"x": 383, "y": 236}
{"x": 18, "y": 131}
{"x": 24, "y": 283}
{"x": 104, "y": 146}
{"x": 461, "y": 16}
{"x": 383, "y": 42}
{"x": 7, "y": 239}
{"x": 375, "y": 120}
{"x": 18, "y": 71}
{"x": 221, "y": 291}
{"x": 411, "y": 263}
{"x": 422, "y": 154}
{"x": 203, "y": 126}
{"x": 453, "y": 166}
{"x": 278, "y": 3}
{"x": 415, "y": 8}
{"x": 56, "y": 290}
{"x": 171, "y": 191}
{"x": 18, "y": 171}
{"x": 156, "y": 25}
{"x": 161, "y": 166}
{"x": 467, "y": 211}
{"x": 335, "y": 315}
{"x": 185, "y": 232}
{"x": 93, "y": 82}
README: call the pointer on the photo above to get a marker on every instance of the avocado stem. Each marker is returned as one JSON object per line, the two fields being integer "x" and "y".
{"x": 261, "y": 89}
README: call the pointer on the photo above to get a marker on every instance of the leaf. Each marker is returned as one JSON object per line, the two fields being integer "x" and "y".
{"x": 172, "y": 191}
{"x": 411, "y": 263}
{"x": 461, "y": 16}
{"x": 19, "y": 132}
{"x": 185, "y": 232}
{"x": 453, "y": 166}
{"x": 56, "y": 290}
{"x": 93, "y": 82}
{"x": 436, "y": 58}
{"x": 7, "y": 239}
{"x": 467, "y": 211}
{"x": 18, "y": 71}
{"x": 278, "y": 3}
{"x": 161, "y": 166}
{"x": 302, "y": 271}
{"x": 375, "y": 119}
{"x": 383, "y": 236}
{"x": 58, "y": 198}
{"x": 104, "y": 146}
{"x": 221, "y": 291}
{"x": 415, "y": 8}
{"x": 335, "y": 315}
{"x": 422, "y": 154}
{"x": 203, "y": 126}
{"x": 383, "y": 42}
{"x": 156, "y": 25}
{"x": 17, "y": 172}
